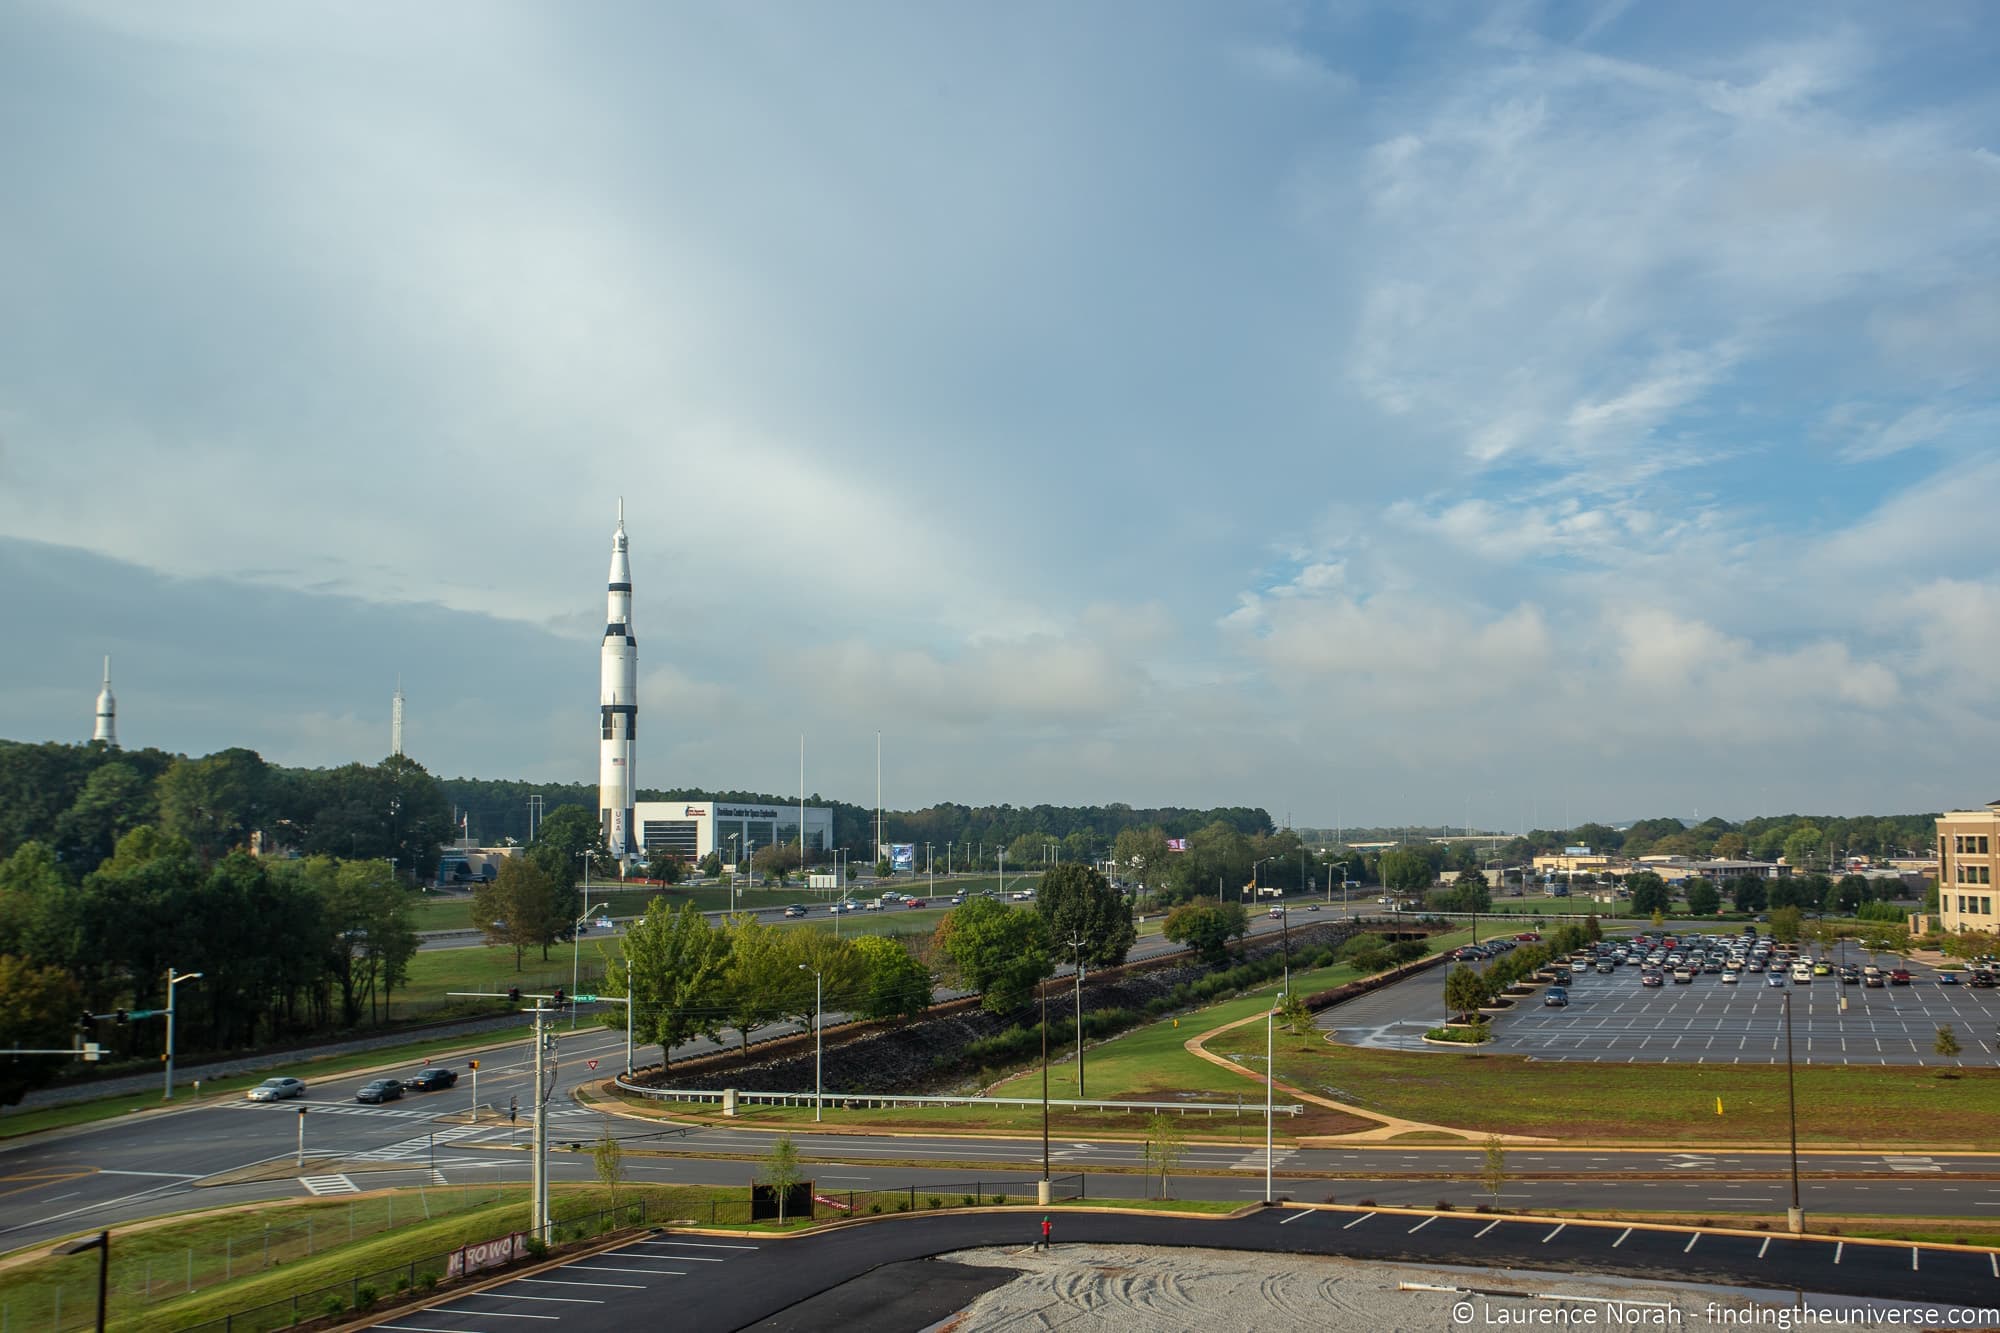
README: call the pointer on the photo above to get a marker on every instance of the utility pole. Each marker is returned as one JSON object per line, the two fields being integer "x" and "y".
{"x": 541, "y": 1168}
{"x": 1042, "y": 1190}
{"x": 1076, "y": 944}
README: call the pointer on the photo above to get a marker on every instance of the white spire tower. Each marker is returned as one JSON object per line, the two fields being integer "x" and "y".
{"x": 618, "y": 703}
{"x": 396, "y": 721}
{"x": 107, "y": 712}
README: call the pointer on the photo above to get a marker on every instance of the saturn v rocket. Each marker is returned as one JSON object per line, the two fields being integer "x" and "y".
{"x": 617, "y": 786}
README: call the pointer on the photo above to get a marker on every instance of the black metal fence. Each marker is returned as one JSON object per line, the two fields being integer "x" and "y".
{"x": 358, "y": 1293}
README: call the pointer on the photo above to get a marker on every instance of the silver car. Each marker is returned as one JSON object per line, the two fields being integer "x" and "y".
{"x": 276, "y": 1090}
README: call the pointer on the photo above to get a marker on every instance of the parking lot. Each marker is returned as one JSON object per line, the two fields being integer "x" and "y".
{"x": 1705, "y": 1021}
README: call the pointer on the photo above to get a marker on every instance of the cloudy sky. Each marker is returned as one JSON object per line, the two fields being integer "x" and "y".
{"x": 1429, "y": 412}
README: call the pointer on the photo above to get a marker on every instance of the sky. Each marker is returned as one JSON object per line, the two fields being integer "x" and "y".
{"x": 1514, "y": 414}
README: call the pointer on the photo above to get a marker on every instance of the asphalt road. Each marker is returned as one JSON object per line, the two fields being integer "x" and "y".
{"x": 141, "y": 1165}
{"x": 735, "y": 1283}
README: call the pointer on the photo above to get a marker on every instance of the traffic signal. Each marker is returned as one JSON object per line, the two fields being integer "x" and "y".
{"x": 560, "y": 1001}
{"x": 473, "y": 1063}
{"x": 119, "y": 1016}
{"x": 514, "y": 994}
{"x": 86, "y": 1022}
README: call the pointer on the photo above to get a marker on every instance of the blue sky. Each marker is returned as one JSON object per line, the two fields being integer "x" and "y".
{"x": 1383, "y": 413}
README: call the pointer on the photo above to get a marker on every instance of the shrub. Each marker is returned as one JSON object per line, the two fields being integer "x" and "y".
{"x": 333, "y": 1305}
{"x": 402, "y": 1282}
{"x": 535, "y": 1246}
{"x": 1329, "y": 1199}
{"x": 427, "y": 1280}
{"x": 970, "y": 1199}
{"x": 1444, "y": 1205}
{"x": 999, "y": 1198}
{"x": 876, "y": 1207}
{"x": 933, "y": 1201}
{"x": 363, "y": 1297}
{"x": 1367, "y": 1203}
{"x": 902, "y": 1205}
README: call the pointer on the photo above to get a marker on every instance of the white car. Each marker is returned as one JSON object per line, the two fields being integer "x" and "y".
{"x": 276, "y": 1090}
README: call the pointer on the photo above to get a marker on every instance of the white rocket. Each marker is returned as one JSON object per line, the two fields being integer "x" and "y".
{"x": 107, "y": 712}
{"x": 618, "y": 699}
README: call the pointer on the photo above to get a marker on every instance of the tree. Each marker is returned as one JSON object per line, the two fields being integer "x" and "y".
{"x": 214, "y": 802}
{"x": 775, "y": 860}
{"x": 1748, "y": 892}
{"x": 1703, "y": 900}
{"x": 1785, "y": 925}
{"x": 841, "y": 968}
{"x": 711, "y": 865}
{"x": 1166, "y": 1144}
{"x": 1464, "y": 992}
{"x": 884, "y": 868}
{"x": 782, "y": 1170}
{"x": 369, "y": 937}
{"x": 1029, "y": 849}
{"x": 1946, "y": 1044}
{"x": 1804, "y": 845}
{"x": 1731, "y": 847}
{"x": 996, "y": 951}
{"x": 39, "y": 1007}
{"x": 608, "y": 1160}
{"x": 1849, "y": 893}
{"x": 1206, "y": 926}
{"x": 673, "y": 972}
{"x": 1141, "y": 853}
{"x": 895, "y": 984}
{"x": 760, "y": 982}
{"x": 1076, "y": 902}
{"x": 115, "y": 800}
{"x": 1294, "y": 1017}
{"x": 525, "y": 906}
{"x": 1649, "y": 892}
{"x": 1407, "y": 870}
{"x": 561, "y": 840}
{"x": 1493, "y": 1167}
{"x": 667, "y": 867}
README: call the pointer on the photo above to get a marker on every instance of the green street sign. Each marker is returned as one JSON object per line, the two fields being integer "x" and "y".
{"x": 142, "y": 1013}
{"x": 586, "y": 999}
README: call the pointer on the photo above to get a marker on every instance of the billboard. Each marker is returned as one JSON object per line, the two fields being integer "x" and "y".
{"x": 902, "y": 856}
{"x": 1176, "y": 844}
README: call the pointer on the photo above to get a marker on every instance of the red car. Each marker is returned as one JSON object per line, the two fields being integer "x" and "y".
{"x": 1527, "y": 937}
{"x": 915, "y": 902}
{"x": 1899, "y": 977}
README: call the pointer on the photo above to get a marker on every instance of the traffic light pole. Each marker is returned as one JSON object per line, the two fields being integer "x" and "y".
{"x": 541, "y": 1172}
{"x": 173, "y": 981}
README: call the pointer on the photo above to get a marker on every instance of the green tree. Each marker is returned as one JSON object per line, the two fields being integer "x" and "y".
{"x": 1141, "y": 854}
{"x": 711, "y": 865}
{"x": 842, "y": 970}
{"x": 1849, "y": 893}
{"x": 760, "y": 984}
{"x": 607, "y": 1158}
{"x": 896, "y": 984}
{"x": 995, "y": 950}
{"x": 1294, "y": 1017}
{"x": 782, "y": 1170}
{"x": 1493, "y": 1167}
{"x": 525, "y": 906}
{"x": 115, "y": 800}
{"x": 666, "y": 867}
{"x": 884, "y": 868}
{"x": 1464, "y": 992}
{"x": 1703, "y": 900}
{"x": 1207, "y": 926}
{"x": 1407, "y": 870}
{"x": 1166, "y": 1145}
{"x": 1730, "y": 847}
{"x": 39, "y": 1008}
{"x": 561, "y": 840}
{"x": 1076, "y": 902}
{"x": 1029, "y": 849}
{"x": 1649, "y": 893}
{"x": 1785, "y": 925}
{"x": 775, "y": 860}
{"x": 1946, "y": 1043}
{"x": 1805, "y": 845}
{"x": 213, "y": 803}
{"x": 673, "y": 971}
{"x": 1748, "y": 893}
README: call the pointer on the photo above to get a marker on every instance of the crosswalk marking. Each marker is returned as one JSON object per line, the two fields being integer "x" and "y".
{"x": 329, "y": 1185}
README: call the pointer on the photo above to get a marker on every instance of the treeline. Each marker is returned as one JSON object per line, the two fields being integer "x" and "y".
{"x": 499, "y": 810}
{"x": 80, "y": 800}
{"x": 1804, "y": 840}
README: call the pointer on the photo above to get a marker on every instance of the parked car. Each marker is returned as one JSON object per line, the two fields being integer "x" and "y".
{"x": 1948, "y": 979}
{"x": 1731, "y": 976}
{"x": 1774, "y": 979}
{"x": 1651, "y": 978}
{"x": 434, "y": 1079}
{"x": 1556, "y": 997}
{"x": 381, "y": 1090}
{"x": 276, "y": 1090}
{"x": 1900, "y": 977}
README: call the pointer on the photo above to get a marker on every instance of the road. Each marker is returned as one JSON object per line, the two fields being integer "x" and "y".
{"x": 141, "y": 1165}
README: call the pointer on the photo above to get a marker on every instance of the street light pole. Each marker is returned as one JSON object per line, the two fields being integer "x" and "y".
{"x": 173, "y": 981}
{"x": 576, "y": 942}
{"x": 1270, "y": 1088}
{"x": 734, "y": 862}
{"x": 1042, "y": 1190}
{"x": 819, "y": 1026}
{"x": 1076, "y": 944}
{"x": 1795, "y": 1216}
{"x": 101, "y": 1242}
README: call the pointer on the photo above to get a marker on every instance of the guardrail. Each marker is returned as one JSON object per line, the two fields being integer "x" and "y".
{"x": 879, "y": 1100}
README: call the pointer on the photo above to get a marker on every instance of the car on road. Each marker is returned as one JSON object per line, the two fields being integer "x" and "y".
{"x": 843, "y": 906}
{"x": 796, "y": 909}
{"x": 1731, "y": 977}
{"x": 1774, "y": 979}
{"x": 915, "y": 902}
{"x": 1556, "y": 998}
{"x": 1276, "y": 913}
{"x": 1528, "y": 937}
{"x": 1948, "y": 979}
{"x": 1683, "y": 975}
{"x": 957, "y": 898}
{"x": 1900, "y": 977}
{"x": 1801, "y": 974}
{"x": 276, "y": 1090}
{"x": 1312, "y": 907}
{"x": 381, "y": 1090}
{"x": 434, "y": 1079}
{"x": 1650, "y": 977}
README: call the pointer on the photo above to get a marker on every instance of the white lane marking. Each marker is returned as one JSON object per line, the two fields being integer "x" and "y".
{"x": 1994, "y": 1259}
{"x": 499, "y": 1314}
{"x": 329, "y": 1185}
{"x": 565, "y": 1300}
{"x": 684, "y": 1258}
{"x": 558, "y": 1282}
{"x": 1691, "y": 1240}
{"x": 1357, "y": 1221}
{"x": 1553, "y": 1234}
{"x": 1303, "y": 1212}
{"x": 1421, "y": 1225}
{"x": 163, "y": 1175}
{"x": 1765, "y": 1246}
{"x": 1913, "y": 1258}
{"x": 425, "y": 1328}
{"x": 1838, "y": 1250}
{"x": 1621, "y": 1238}
{"x": 698, "y": 1245}
{"x": 662, "y": 1272}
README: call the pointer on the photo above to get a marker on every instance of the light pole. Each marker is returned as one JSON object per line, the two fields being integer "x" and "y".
{"x": 1003, "y": 870}
{"x": 1042, "y": 1189}
{"x": 930, "y": 868}
{"x": 1270, "y": 1087}
{"x": 734, "y": 862}
{"x": 819, "y": 1094}
{"x": 101, "y": 1242}
{"x": 302, "y": 1138}
{"x": 1795, "y": 1216}
{"x": 1076, "y": 946}
{"x": 576, "y": 943}
{"x": 173, "y": 981}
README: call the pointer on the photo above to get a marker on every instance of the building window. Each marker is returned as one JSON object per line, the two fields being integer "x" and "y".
{"x": 1983, "y": 840}
{"x": 1986, "y": 907}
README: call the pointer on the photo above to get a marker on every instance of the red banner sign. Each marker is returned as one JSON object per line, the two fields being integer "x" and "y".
{"x": 486, "y": 1254}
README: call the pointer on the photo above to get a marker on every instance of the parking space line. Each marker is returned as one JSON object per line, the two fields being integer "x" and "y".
{"x": 558, "y": 1282}
{"x": 658, "y": 1272}
{"x": 1691, "y": 1240}
{"x": 562, "y": 1300}
{"x": 1621, "y": 1238}
{"x": 1357, "y": 1221}
{"x": 1421, "y": 1225}
{"x": 1913, "y": 1258}
{"x": 1765, "y": 1246}
{"x": 684, "y": 1258}
{"x": 1488, "y": 1227}
{"x": 1994, "y": 1259}
{"x": 715, "y": 1245}
{"x": 1303, "y": 1212}
{"x": 498, "y": 1314}
{"x": 1839, "y": 1249}
{"x": 1553, "y": 1234}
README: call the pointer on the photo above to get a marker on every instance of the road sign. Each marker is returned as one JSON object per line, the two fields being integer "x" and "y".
{"x": 586, "y": 999}
{"x": 592, "y": 1064}
{"x": 92, "y": 1051}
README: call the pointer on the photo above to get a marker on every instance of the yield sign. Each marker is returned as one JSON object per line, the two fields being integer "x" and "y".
{"x": 593, "y": 1064}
